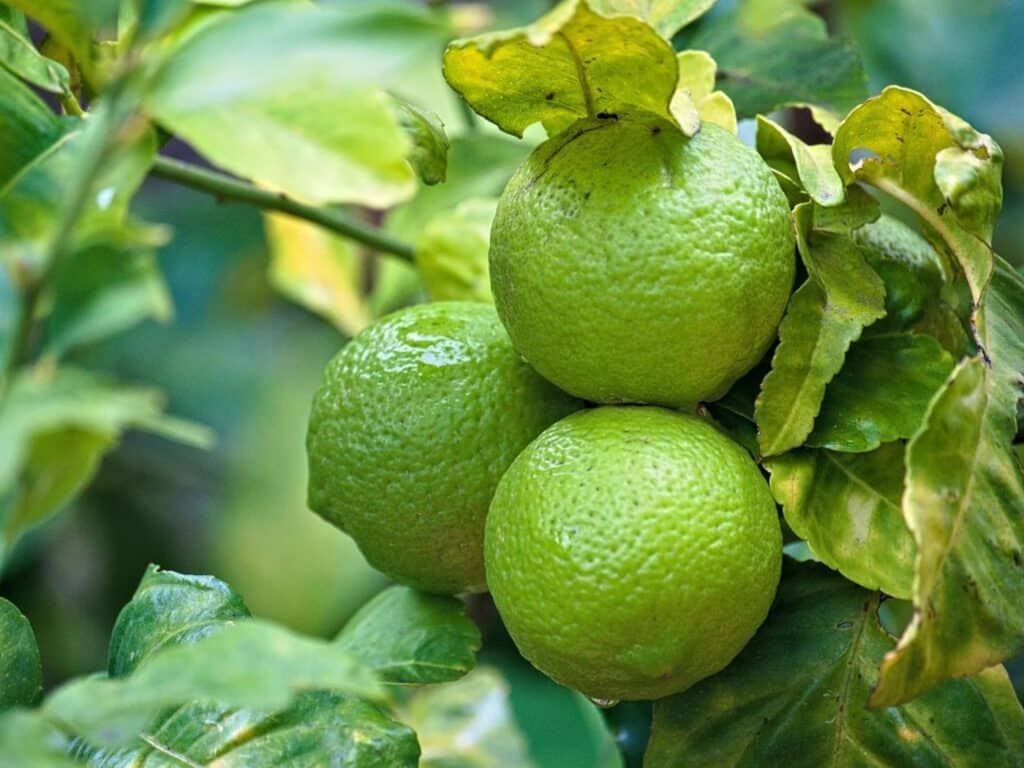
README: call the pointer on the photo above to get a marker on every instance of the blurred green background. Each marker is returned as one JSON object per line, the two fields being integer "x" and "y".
{"x": 245, "y": 361}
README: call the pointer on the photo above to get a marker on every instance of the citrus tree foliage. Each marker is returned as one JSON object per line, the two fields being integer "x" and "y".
{"x": 885, "y": 415}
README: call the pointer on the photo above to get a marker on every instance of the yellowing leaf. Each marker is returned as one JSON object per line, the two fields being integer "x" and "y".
{"x": 570, "y": 64}
{"x": 935, "y": 164}
{"x": 813, "y": 163}
{"x": 319, "y": 270}
{"x": 965, "y": 493}
{"x": 695, "y": 98}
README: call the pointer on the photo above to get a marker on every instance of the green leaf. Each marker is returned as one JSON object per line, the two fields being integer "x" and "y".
{"x": 813, "y": 163}
{"x": 696, "y": 99}
{"x": 106, "y": 286}
{"x": 21, "y": 671}
{"x": 169, "y": 609}
{"x": 247, "y": 664}
{"x": 570, "y": 64}
{"x": 467, "y": 724}
{"x": 903, "y": 144}
{"x": 410, "y": 637}
{"x": 20, "y": 58}
{"x": 965, "y": 491}
{"x": 34, "y": 203}
{"x": 27, "y": 739}
{"x": 666, "y": 16}
{"x": 175, "y": 610}
{"x": 774, "y": 53}
{"x": 75, "y": 25}
{"x": 429, "y": 153}
{"x": 452, "y": 252}
{"x": 847, "y": 507}
{"x": 55, "y": 426}
{"x": 29, "y": 127}
{"x": 825, "y": 315}
{"x": 319, "y": 270}
{"x": 479, "y": 165}
{"x": 310, "y": 120}
{"x": 797, "y": 695}
{"x": 881, "y": 393}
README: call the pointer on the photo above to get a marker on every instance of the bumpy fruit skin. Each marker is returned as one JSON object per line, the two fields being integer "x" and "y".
{"x": 631, "y": 264}
{"x": 415, "y": 422}
{"x": 632, "y": 551}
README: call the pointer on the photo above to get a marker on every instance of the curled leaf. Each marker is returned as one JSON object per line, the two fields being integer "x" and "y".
{"x": 572, "y": 63}
{"x": 696, "y": 99}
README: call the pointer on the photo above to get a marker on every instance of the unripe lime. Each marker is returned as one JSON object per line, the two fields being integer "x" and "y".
{"x": 632, "y": 551}
{"x": 633, "y": 264}
{"x": 415, "y": 422}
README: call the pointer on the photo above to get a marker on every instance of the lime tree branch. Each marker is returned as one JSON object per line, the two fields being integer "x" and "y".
{"x": 229, "y": 188}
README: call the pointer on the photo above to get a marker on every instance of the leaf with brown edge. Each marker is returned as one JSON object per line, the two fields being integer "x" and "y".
{"x": 965, "y": 493}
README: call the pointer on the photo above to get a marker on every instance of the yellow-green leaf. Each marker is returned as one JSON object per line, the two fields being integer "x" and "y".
{"x": 932, "y": 162}
{"x": 572, "y": 63}
{"x": 813, "y": 163}
{"x": 695, "y": 98}
{"x": 320, "y": 270}
{"x": 965, "y": 493}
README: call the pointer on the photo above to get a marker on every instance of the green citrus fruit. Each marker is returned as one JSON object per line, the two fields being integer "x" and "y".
{"x": 632, "y": 551}
{"x": 415, "y": 422}
{"x": 907, "y": 264}
{"x": 632, "y": 264}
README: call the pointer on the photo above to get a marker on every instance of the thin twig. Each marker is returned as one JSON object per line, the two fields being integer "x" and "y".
{"x": 226, "y": 187}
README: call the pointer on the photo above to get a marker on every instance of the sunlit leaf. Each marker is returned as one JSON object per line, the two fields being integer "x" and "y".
{"x": 452, "y": 252}
{"x": 847, "y": 508}
{"x": 773, "y": 53}
{"x": 965, "y": 492}
{"x": 696, "y": 99}
{"x": 310, "y": 120}
{"x": 467, "y": 724}
{"x": 570, "y": 64}
{"x": 797, "y": 695}
{"x": 882, "y": 391}
{"x": 21, "y": 672}
{"x": 813, "y": 163}
{"x": 320, "y": 270}
{"x": 934, "y": 163}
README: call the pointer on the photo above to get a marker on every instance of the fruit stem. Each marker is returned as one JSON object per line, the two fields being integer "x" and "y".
{"x": 228, "y": 188}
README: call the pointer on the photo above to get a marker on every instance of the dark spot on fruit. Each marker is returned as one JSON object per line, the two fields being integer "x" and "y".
{"x": 655, "y": 130}
{"x": 607, "y": 116}
{"x": 550, "y": 96}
